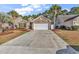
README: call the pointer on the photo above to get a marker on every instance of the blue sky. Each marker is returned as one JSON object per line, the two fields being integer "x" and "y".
{"x": 29, "y": 9}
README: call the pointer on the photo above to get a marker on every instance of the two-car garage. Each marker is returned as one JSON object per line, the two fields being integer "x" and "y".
{"x": 40, "y": 26}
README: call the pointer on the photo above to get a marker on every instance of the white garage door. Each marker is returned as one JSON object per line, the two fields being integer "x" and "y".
{"x": 40, "y": 26}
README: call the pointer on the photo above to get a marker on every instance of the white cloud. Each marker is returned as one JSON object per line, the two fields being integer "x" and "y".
{"x": 32, "y": 5}
{"x": 36, "y": 5}
{"x": 27, "y": 9}
{"x": 24, "y": 4}
{"x": 23, "y": 10}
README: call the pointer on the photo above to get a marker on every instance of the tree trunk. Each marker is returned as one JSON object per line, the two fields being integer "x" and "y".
{"x": 55, "y": 19}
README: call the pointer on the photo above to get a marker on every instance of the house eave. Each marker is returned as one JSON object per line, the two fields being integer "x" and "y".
{"x": 72, "y": 18}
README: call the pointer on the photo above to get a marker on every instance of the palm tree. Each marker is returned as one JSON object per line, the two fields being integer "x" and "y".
{"x": 56, "y": 10}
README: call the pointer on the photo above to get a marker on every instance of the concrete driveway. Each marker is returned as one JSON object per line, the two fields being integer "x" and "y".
{"x": 36, "y": 42}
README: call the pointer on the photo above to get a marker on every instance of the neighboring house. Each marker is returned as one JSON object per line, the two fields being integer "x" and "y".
{"x": 23, "y": 24}
{"x": 16, "y": 22}
{"x": 19, "y": 23}
{"x": 41, "y": 23}
{"x": 29, "y": 26}
{"x": 67, "y": 20}
{"x": 30, "y": 19}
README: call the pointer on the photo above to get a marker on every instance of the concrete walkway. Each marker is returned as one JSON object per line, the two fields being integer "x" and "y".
{"x": 37, "y": 42}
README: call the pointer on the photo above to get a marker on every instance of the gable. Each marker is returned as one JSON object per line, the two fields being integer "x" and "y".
{"x": 41, "y": 19}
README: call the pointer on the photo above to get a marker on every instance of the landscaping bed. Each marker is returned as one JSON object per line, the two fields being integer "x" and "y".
{"x": 71, "y": 37}
{"x": 10, "y": 34}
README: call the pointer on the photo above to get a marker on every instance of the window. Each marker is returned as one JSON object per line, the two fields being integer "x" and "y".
{"x": 74, "y": 22}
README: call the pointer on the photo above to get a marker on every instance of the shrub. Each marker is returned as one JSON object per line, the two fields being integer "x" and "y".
{"x": 63, "y": 27}
{"x": 75, "y": 27}
{"x": 57, "y": 27}
{"x": 68, "y": 28}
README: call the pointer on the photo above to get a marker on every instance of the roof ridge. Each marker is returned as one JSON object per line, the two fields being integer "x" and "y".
{"x": 41, "y": 17}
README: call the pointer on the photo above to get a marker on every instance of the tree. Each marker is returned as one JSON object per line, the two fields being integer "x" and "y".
{"x": 74, "y": 10}
{"x": 25, "y": 17}
{"x": 56, "y": 11}
{"x": 13, "y": 13}
{"x": 4, "y": 17}
{"x": 64, "y": 12}
{"x": 33, "y": 16}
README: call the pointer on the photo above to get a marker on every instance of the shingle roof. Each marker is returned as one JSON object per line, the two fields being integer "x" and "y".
{"x": 67, "y": 17}
{"x": 23, "y": 21}
{"x": 30, "y": 19}
{"x": 71, "y": 18}
{"x": 41, "y": 19}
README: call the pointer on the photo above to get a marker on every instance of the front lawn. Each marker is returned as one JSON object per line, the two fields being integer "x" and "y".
{"x": 10, "y": 34}
{"x": 71, "y": 37}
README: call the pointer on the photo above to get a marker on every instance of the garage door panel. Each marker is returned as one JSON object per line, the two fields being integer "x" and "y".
{"x": 40, "y": 26}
